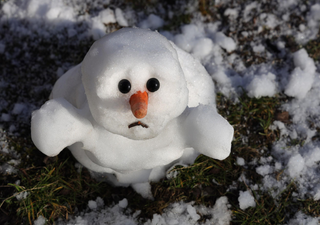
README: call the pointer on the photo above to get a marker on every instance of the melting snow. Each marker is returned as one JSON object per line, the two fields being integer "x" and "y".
{"x": 246, "y": 200}
{"x": 174, "y": 214}
{"x": 208, "y": 43}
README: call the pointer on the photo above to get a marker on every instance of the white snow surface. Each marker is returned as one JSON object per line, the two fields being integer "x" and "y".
{"x": 60, "y": 14}
{"x": 240, "y": 161}
{"x": 175, "y": 214}
{"x": 302, "y": 219}
{"x": 123, "y": 203}
{"x": 40, "y": 221}
{"x": 8, "y": 167}
{"x": 246, "y": 200}
{"x": 208, "y": 43}
{"x": 302, "y": 77}
{"x": 22, "y": 195}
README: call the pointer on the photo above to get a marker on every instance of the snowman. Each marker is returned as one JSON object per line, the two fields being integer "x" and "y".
{"x": 135, "y": 106}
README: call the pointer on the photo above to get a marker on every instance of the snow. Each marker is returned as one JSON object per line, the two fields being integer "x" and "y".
{"x": 8, "y": 167}
{"x": 213, "y": 44}
{"x": 295, "y": 165}
{"x": 193, "y": 213}
{"x": 264, "y": 170}
{"x": 269, "y": 20}
{"x": 107, "y": 16}
{"x": 88, "y": 106}
{"x": 59, "y": 15}
{"x": 18, "y": 108}
{"x": 92, "y": 205}
{"x": 225, "y": 42}
{"x": 247, "y": 11}
{"x": 121, "y": 18}
{"x": 302, "y": 77}
{"x": 123, "y": 203}
{"x": 246, "y": 200}
{"x": 144, "y": 189}
{"x": 221, "y": 215}
{"x": 189, "y": 37}
{"x": 172, "y": 173}
{"x": 40, "y": 221}
{"x": 301, "y": 219}
{"x": 240, "y": 161}
{"x": 263, "y": 85}
{"x": 312, "y": 26}
{"x": 22, "y": 195}
{"x": 2, "y": 48}
{"x": 258, "y": 48}
{"x": 153, "y": 22}
{"x": 5, "y": 117}
{"x": 231, "y": 13}
{"x": 107, "y": 215}
{"x": 174, "y": 214}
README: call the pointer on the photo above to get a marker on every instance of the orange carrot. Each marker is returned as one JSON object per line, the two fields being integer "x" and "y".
{"x": 139, "y": 104}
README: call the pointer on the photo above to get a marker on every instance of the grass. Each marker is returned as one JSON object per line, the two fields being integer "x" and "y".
{"x": 267, "y": 211}
{"x": 53, "y": 190}
{"x": 56, "y": 189}
{"x": 313, "y": 48}
{"x": 48, "y": 191}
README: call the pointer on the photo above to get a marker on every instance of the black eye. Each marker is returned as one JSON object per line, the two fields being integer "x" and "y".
{"x": 124, "y": 86}
{"x": 153, "y": 84}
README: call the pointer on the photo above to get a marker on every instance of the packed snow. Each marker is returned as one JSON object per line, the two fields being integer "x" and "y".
{"x": 246, "y": 200}
{"x": 108, "y": 112}
{"x": 217, "y": 47}
{"x": 302, "y": 77}
{"x": 240, "y": 161}
{"x": 175, "y": 214}
{"x": 22, "y": 195}
{"x": 301, "y": 219}
{"x": 40, "y": 221}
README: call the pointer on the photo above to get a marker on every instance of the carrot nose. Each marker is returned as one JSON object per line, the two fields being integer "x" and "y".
{"x": 139, "y": 104}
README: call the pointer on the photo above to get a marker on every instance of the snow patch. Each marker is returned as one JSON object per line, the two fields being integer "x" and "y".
{"x": 123, "y": 203}
{"x": 22, "y": 195}
{"x": 302, "y": 77}
{"x": 262, "y": 85}
{"x": 246, "y": 200}
{"x": 153, "y": 22}
{"x": 240, "y": 161}
{"x": 175, "y": 214}
{"x": 40, "y": 221}
{"x": 302, "y": 219}
{"x": 295, "y": 165}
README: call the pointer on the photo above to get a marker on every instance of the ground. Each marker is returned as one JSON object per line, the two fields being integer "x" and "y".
{"x": 264, "y": 59}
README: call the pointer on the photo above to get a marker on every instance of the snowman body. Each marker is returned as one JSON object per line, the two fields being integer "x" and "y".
{"x": 135, "y": 106}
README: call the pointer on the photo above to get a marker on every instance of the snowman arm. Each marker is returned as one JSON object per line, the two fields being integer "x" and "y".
{"x": 56, "y": 125}
{"x": 208, "y": 132}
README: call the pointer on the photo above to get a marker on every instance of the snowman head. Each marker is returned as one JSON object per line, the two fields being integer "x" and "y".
{"x": 134, "y": 83}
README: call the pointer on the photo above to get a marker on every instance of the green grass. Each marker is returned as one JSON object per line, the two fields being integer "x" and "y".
{"x": 267, "y": 211}
{"x": 53, "y": 191}
{"x": 55, "y": 187}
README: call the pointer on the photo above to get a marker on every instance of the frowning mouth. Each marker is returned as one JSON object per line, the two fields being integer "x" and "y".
{"x": 139, "y": 123}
